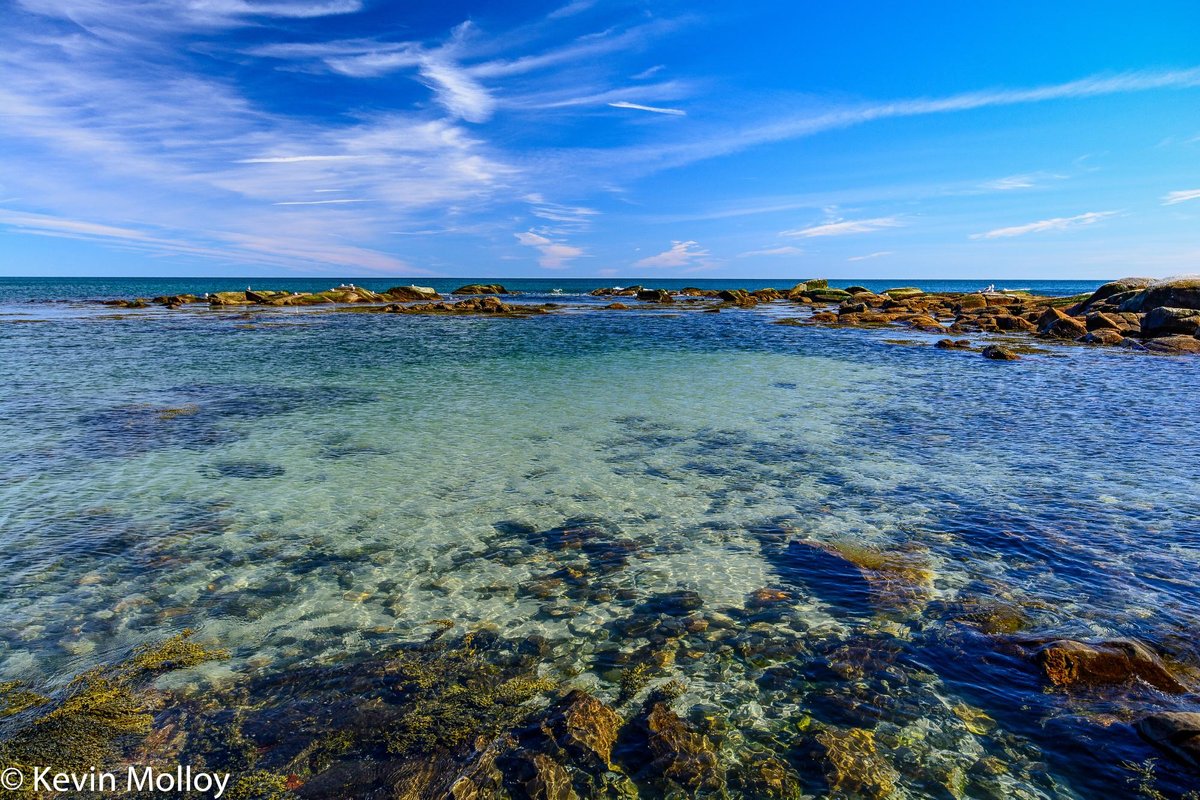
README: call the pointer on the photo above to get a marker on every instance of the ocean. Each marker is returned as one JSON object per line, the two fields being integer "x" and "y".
{"x": 683, "y": 490}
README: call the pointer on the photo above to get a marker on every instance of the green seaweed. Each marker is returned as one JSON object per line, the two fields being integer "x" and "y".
{"x": 455, "y": 696}
{"x": 260, "y": 785}
{"x": 85, "y": 723}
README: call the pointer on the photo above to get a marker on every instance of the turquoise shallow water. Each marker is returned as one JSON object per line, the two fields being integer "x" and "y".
{"x": 296, "y": 484}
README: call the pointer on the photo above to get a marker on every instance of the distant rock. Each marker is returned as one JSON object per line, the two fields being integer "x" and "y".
{"x": 481, "y": 288}
{"x": 903, "y": 292}
{"x": 405, "y": 294}
{"x": 229, "y": 299}
{"x": 655, "y": 296}
{"x": 616, "y": 291}
{"x": 739, "y": 297}
{"x": 617, "y": 306}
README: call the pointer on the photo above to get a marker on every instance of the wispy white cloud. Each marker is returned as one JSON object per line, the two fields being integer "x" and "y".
{"x": 1041, "y": 226}
{"x": 457, "y": 91}
{"x": 844, "y": 227}
{"x": 294, "y": 159}
{"x": 565, "y": 216}
{"x": 868, "y": 256}
{"x": 680, "y": 254}
{"x": 1015, "y": 182}
{"x": 339, "y": 201}
{"x": 1171, "y": 198}
{"x": 554, "y": 255}
{"x": 772, "y": 251}
{"x": 677, "y": 112}
{"x": 649, "y": 72}
{"x": 710, "y": 143}
{"x": 571, "y": 9}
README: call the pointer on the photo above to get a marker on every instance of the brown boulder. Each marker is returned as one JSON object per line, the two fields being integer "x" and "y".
{"x": 617, "y": 306}
{"x": 481, "y": 288}
{"x": 1104, "y": 336}
{"x": 952, "y": 344}
{"x": 970, "y": 301}
{"x": 1068, "y": 664}
{"x": 1173, "y": 345}
{"x": 1005, "y": 322}
{"x": 1055, "y": 323}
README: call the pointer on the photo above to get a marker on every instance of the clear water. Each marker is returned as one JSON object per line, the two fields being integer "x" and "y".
{"x": 297, "y": 483}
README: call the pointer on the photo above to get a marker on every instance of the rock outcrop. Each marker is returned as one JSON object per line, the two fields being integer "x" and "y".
{"x": 481, "y": 288}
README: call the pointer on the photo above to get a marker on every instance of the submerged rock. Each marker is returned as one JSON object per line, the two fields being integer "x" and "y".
{"x": 1068, "y": 664}
{"x": 667, "y": 752}
{"x": 998, "y": 352}
{"x": 853, "y": 763}
{"x": 952, "y": 344}
{"x": 1175, "y": 732}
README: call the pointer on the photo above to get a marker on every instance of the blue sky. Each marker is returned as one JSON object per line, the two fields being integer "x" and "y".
{"x": 361, "y": 137}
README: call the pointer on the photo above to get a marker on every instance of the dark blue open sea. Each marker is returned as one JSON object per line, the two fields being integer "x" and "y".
{"x": 301, "y": 485}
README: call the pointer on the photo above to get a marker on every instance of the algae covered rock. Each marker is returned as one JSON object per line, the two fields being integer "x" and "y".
{"x": 481, "y": 288}
{"x": 85, "y": 724}
{"x": 669, "y": 753}
{"x": 853, "y": 763}
{"x": 903, "y": 292}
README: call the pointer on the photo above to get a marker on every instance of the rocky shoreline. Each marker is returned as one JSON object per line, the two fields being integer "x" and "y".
{"x": 1160, "y": 317}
